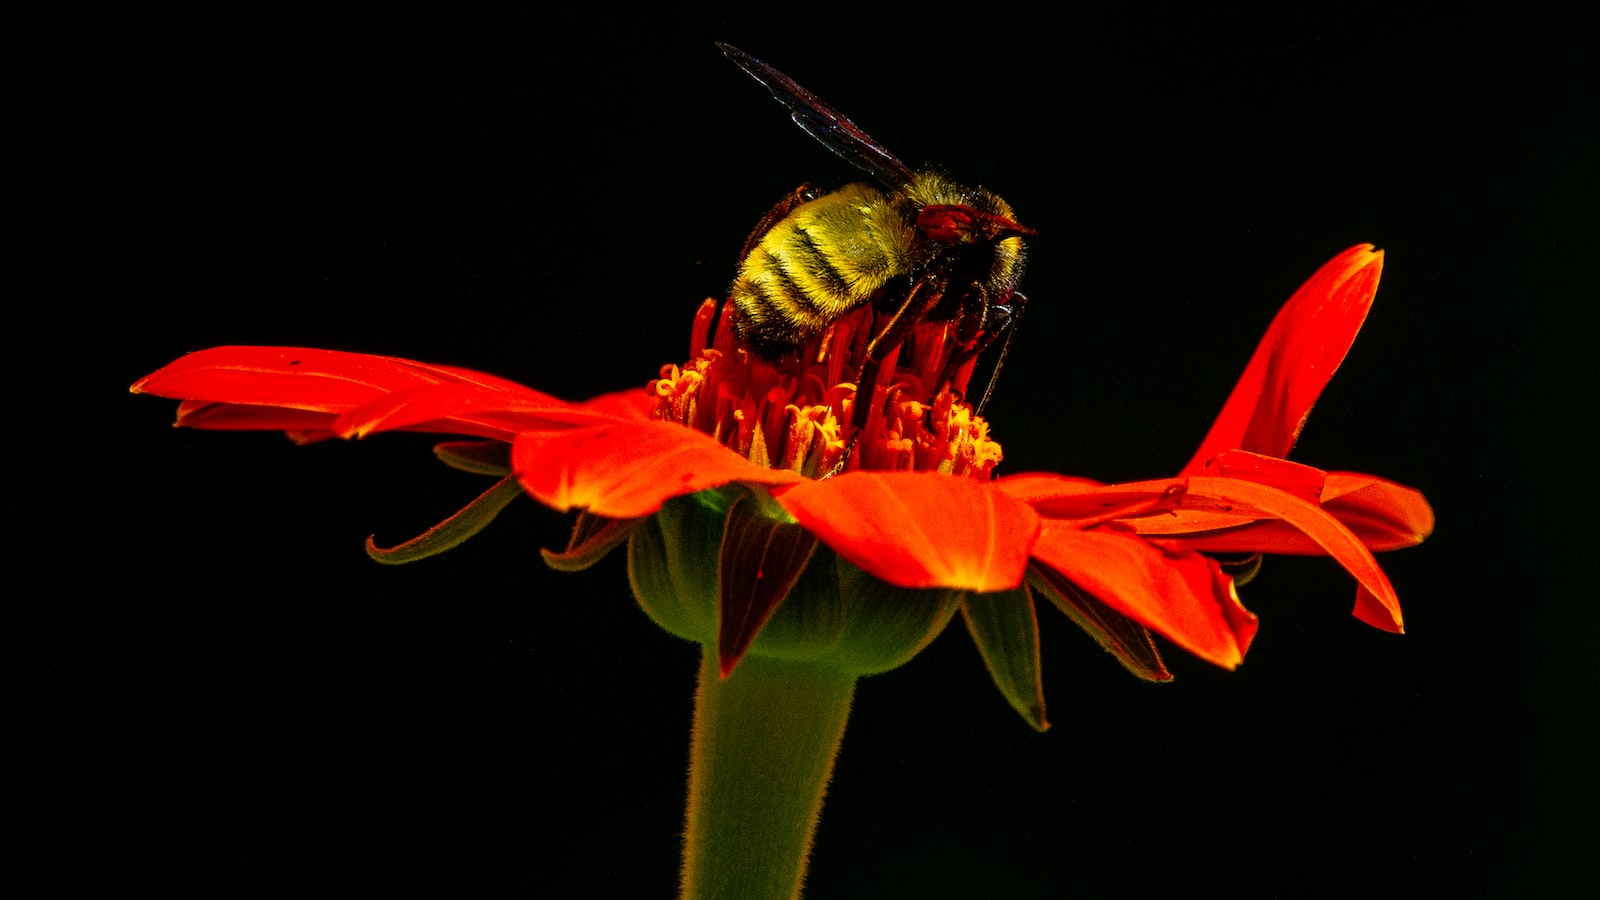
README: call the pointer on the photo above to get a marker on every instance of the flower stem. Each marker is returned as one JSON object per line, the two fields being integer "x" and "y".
{"x": 764, "y": 743}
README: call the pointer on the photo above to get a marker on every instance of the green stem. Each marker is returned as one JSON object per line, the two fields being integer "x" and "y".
{"x": 764, "y": 743}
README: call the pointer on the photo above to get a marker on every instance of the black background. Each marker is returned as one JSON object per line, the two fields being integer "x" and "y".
{"x": 224, "y": 692}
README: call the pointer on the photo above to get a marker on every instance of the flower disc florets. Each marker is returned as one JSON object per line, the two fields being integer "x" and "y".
{"x": 797, "y": 412}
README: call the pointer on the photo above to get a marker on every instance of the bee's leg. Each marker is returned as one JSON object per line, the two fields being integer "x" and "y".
{"x": 920, "y": 300}
{"x": 1020, "y": 305}
{"x": 973, "y": 335}
{"x": 792, "y": 201}
{"x": 1010, "y": 314}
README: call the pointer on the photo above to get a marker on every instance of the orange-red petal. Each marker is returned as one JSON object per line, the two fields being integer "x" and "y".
{"x": 302, "y": 377}
{"x": 1154, "y": 508}
{"x": 1376, "y": 603}
{"x": 361, "y": 394}
{"x": 636, "y": 404}
{"x": 1299, "y": 353}
{"x": 235, "y": 417}
{"x": 919, "y": 529}
{"x": 1267, "y": 506}
{"x": 1177, "y": 593}
{"x": 480, "y": 411}
{"x": 1068, "y": 497}
{"x": 1384, "y": 514}
{"x": 627, "y": 469}
{"x": 1301, "y": 480}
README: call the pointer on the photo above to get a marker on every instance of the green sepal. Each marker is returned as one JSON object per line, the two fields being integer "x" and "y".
{"x": 672, "y": 564}
{"x": 1005, "y": 627}
{"x": 761, "y": 558}
{"x": 477, "y": 457}
{"x": 1242, "y": 569}
{"x": 838, "y": 615}
{"x": 592, "y": 538}
{"x": 811, "y": 623}
{"x": 885, "y": 625}
{"x": 1122, "y": 637}
{"x": 834, "y": 615}
{"x": 473, "y": 518}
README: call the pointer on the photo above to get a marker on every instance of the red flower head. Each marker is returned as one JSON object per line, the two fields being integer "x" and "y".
{"x": 711, "y": 475}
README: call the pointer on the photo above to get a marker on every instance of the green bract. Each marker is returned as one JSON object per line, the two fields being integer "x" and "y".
{"x": 693, "y": 552}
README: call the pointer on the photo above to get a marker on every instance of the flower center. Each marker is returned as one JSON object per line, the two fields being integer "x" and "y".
{"x": 797, "y": 412}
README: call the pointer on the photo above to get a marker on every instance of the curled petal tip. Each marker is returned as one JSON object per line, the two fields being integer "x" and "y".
{"x": 1384, "y": 514}
{"x": 1379, "y": 614}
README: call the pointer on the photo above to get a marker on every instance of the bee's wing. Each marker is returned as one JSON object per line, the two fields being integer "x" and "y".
{"x": 823, "y": 122}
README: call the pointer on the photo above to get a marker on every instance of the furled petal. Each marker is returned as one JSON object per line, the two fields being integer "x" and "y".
{"x": 1177, "y": 593}
{"x": 1069, "y": 497}
{"x": 1299, "y": 353}
{"x": 1301, "y": 480}
{"x": 623, "y": 470}
{"x": 1158, "y": 506}
{"x": 919, "y": 529}
{"x": 301, "y": 377}
{"x": 363, "y": 393}
{"x": 1376, "y": 603}
{"x": 1268, "y": 506}
{"x": 1385, "y": 515}
{"x": 305, "y": 425}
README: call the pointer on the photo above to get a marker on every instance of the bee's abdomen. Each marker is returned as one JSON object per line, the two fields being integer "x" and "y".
{"x": 819, "y": 262}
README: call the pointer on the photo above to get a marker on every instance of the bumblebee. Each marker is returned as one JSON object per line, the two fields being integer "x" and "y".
{"x": 920, "y": 247}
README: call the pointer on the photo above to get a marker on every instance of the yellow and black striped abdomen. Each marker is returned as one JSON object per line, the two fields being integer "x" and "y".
{"x": 825, "y": 258}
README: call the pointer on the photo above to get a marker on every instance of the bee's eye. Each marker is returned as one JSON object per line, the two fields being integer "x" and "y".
{"x": 952, "y": 224}
{"x": 947, "y": 224}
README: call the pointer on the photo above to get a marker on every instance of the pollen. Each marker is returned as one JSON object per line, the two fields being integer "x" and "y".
{"x": 794, "y": 412}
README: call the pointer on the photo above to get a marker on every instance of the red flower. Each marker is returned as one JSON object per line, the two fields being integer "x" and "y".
{"x": 1117, "y": 558}
{"x": 1138, "y": 547}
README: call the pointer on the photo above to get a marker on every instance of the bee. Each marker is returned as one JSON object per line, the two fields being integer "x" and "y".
{"x": 919, "y": 246}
